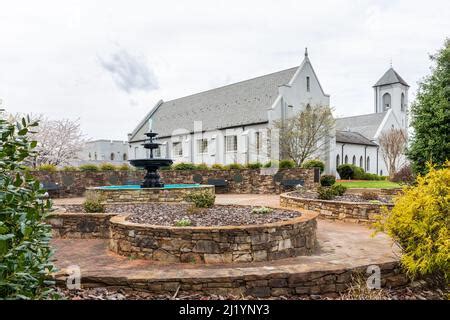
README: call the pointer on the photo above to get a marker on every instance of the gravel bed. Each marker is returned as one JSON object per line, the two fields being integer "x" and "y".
{"x": 345, "y": 198}
{"x": 407, "y": 293}
{"x": 219, "y": 215}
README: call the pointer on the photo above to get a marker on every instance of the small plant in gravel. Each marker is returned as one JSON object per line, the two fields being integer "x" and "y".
{"x": 358, "y": 290}
{"x": 325, "y": 193}
{"x": 327, "y": 180}
{"x": 201, "y": 199}
{"x": 339, "y": 189}
{"x": 369, "y": 195}
{"x": 184, "y": 222}
{"x": 262, "y": 210}
{"x": 93, "y": 204}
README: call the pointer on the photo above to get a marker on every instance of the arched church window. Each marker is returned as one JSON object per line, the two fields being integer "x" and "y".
{"x": 124, "y": 157}
{"x": 402, "y": 102}
{"x": 354, "y": 160}
{"x": 368, "y": 164}
{"x": 361, "y": 163}
{"x": 112, "y": 156}
{"x": 386, "y": 101}
{"x": 338, "y": 159}
{"x": 90, "y": 156}
{"x": 346, "y": 159}
{"x": 95, "y": 156}
{"x": 308, "y": 85}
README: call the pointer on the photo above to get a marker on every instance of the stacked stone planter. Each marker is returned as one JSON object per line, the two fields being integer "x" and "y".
{"x": 359, "y": 212}
{"x": 147, "y": 194}
{"x": 226, "y": 244}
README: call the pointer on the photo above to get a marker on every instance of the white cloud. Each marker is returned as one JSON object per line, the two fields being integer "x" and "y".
{"x": 49, "y": 51}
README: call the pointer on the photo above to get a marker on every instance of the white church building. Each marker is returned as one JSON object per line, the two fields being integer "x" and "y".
{"x": 230, "y": 124}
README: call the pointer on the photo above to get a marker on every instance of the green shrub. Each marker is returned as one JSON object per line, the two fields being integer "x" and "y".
{"x": 124, "y": 167}
{"x": 262, "y": 210}
{"x": 314, "y": 164}
{"x": 202, "y": 166}
{"x": 369, "y": 195}
{"x": 345, "y": 171}
{"x": 217, "y": 166}
{"x": 201, "y": 199}
{"x": 327, "y": 180}
{"x": 88, "y": 167}
{"x": 69, "y": 168}
{"x": 286, "y": 164}
{"x": 325, "y": 193}
{"x": 47, "y": 167}
{"x": 25, "y": 252}
{"x": 107, "y": 167}
{"x": 184, "y": 222}
{"x": 93, "y": 204}
{"x": 268, "y": 164}
{"x": 166, "y": 168}
{"x": 184, "y": 166}
{"x": 234, "y": 166}
{"x": 372, "y": 176}
{"x": 419, "y": 222}
{"x": 253, "y": 165}
{"x": 358, "y": 173}
{"x": 339, "y": 189}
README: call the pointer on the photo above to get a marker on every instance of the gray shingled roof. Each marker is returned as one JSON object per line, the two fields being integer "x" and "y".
{"x": 241, "y": 103}
{"x": 366, "y": 124}
{"x": 353, "y": 137}
{"x": 390, "y": 77}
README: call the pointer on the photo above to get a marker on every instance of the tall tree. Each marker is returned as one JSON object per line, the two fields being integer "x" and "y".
{"x": 431, "y": 115}
{"x": 392, "y": 144}
{"x": 306, "y": 134}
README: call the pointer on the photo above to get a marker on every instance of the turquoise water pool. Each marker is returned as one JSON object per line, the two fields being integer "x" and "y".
{"x": 136, "y": 186}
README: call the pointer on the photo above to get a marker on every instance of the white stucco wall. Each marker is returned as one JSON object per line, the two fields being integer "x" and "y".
{"x": 359, "y": 151}
{"x": 100, "y": 151}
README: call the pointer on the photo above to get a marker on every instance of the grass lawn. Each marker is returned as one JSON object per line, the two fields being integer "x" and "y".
{"x": 368, "y": 184}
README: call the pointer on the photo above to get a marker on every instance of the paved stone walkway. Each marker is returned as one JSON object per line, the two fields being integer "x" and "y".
{"x": 272, "y": 200}
{"x": 342, "y": 246}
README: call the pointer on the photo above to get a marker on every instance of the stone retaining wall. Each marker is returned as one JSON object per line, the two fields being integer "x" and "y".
{"x": 383, "y": 192}
{"x": 266, "y": 283}
{"x": 359, "y": 212}
{"x": 215, "y": 244}
{"x": 80, "y": 225}
{"x": 146, "y": 195}
{"x": 258, "y": 181}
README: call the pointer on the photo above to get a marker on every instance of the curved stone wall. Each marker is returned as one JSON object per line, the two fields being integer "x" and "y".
{"x": 146, "y": 194}
{"x": 215, "y": 244}
{"x": 359, "y": 212}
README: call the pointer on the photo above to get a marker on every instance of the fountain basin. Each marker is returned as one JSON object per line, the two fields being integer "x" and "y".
{"x": 134, "y": 193}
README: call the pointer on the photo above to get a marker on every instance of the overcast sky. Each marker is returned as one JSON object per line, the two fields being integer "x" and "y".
{"x": 108, "y": 62}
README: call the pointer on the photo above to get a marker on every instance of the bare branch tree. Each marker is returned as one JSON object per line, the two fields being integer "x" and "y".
{"x": 58, "y": 141}
{"x": 392, "y": 144}
{"x": 306, "y": 134}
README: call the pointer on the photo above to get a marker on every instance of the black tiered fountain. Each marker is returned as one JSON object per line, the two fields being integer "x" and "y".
{"x": 152, "y": 178}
